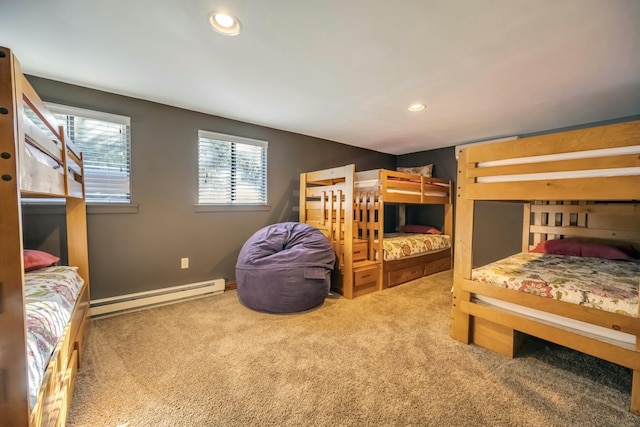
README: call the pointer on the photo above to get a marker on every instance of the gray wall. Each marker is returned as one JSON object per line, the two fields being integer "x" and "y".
{"x": 444, "y": 167}
{"x": 488, "y": 245}
{"x": 135, "y": 252}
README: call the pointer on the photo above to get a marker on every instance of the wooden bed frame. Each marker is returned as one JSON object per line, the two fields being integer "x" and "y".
{"x": 24, "y": 176}
{"x": 326, "y": 196}
{"x": 602, "y": 207}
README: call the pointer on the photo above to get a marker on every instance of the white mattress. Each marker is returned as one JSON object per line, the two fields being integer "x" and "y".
{"x": 593, "y": 331}
{"x": 373, "y": 184}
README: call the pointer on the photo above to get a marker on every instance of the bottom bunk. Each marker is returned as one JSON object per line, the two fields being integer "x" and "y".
{"x": 604, "y": 285}
{"x": 409, "y": 256}
{"x": 57, "y": 307}
{"x": 579, "y": 289}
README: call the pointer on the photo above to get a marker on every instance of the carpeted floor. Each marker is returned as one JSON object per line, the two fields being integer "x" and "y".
{"x": 384, "y": 359}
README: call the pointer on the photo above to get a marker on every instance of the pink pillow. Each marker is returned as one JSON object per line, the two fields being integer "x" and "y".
{"x": 423, "y": 229}
{"x": 34, "y": 259}
{"x": 586, "y": 248}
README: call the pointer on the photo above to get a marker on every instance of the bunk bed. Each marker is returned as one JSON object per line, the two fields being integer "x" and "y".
{"x": 43, "y": 312}
{"x": 348, "y": 207}
{"x": 576, "y": 281}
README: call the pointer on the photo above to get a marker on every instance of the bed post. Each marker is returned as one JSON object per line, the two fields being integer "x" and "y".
{"x": 463, "y": 254}
{"x": 635, "y": 382}
{"x": 347, "y": 211}
{"x": 526, "y": 223}
{"x": 635, "y": 390}
{"x": 77, "y": 249}
{"x": 14, "y": 405}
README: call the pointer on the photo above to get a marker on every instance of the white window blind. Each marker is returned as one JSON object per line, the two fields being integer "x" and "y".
{"x": 231, "y": 169}
{"x": 106, "y": 148}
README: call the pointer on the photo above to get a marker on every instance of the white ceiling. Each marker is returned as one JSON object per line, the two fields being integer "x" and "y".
{"x": 347, "y": 70}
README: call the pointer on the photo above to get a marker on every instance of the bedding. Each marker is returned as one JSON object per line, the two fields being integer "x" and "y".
{"x": 417, "y": 228}
{"x": 403, "y": 245}
{"x": 425, "y": 170}
{"x": 587, "y": 248}
{"x": 609, "y": 285}
{"x": 34, "y": 259}
{"x": 50, "y": 295}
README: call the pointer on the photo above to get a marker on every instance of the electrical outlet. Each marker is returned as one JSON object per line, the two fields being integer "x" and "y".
{"x": 184, "y": 263}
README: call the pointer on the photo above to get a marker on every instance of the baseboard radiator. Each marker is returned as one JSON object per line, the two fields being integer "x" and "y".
{"x": 142, "y": 300}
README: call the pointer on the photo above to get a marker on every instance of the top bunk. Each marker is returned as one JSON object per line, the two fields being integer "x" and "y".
{"x": 45, "y": 162}
{"x": 597, "y": 163}
{"x": 391, "y": 186}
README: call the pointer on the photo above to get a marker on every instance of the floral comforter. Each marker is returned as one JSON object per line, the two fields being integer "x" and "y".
{"x": 401, "y": 245}
{"x": 594, "y": 282}
{"x": 50, "y": 294}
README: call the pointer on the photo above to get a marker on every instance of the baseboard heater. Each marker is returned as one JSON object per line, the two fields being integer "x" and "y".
{"x": 142, "y": 300}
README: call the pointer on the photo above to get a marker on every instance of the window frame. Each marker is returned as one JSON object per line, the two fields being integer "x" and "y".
{"x": 233, "y": 206}
{"x": 104, "y": 117}
{"x": 95, "y": 206}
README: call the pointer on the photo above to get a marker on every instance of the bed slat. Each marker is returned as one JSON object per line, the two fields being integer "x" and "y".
{"x": 42, "y": 141}
{"x": 36, "y": 104}
{"x": 617, "y": 188}
{"x": 594, "y": 138}
{"x": 622, "y": 161}
{"x": 600, "y": 349}
{"x": 614, "y": 321}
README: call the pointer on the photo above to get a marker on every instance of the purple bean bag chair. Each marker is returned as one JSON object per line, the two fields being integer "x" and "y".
{"x": 285, "y": 268}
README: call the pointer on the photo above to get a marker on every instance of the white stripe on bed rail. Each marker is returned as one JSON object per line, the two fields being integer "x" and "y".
{"x": 593, "y": 173}
{"x": 575, "y": 155}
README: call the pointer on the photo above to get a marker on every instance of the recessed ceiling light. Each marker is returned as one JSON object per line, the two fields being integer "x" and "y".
{"x": 224, "y": 23}
{"x": 417, "y": 107}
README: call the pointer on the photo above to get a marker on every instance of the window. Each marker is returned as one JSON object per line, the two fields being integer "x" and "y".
{"x": 105, "y": 143}
{"x": 231, "y": 170}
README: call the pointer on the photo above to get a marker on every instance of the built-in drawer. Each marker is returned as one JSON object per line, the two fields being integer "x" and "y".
{"x": 436, "y": 266}
{"x": 406, "y": 274}
{"x": 365, "y": 275}
{"x": 81, "y": 336}
{"x": 360, "y": 249}
{"x": 69, "y": 385}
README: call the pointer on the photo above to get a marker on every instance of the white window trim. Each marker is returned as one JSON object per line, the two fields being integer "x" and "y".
{"x": 232, "y": 138}
{"x": 89, "y": 114}
{"x": 225, "y": 207}
{"x": 95, "y": 206}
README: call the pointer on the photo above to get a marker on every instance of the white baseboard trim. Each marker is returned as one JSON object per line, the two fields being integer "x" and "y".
{"x": 142, "y": 300}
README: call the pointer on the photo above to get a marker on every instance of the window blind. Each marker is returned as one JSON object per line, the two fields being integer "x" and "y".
{"x": 105, "y": 143}
{"x": 231, "y": 169}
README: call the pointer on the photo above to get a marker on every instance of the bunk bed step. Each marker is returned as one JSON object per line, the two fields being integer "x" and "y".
{"x": 365, "y": 264}
{"x": 366, "y": 277}
{"x": 360, "y": 250}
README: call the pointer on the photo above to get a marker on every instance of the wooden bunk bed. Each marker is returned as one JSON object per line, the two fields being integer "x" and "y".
{"x": 348, "y": 207}
{"x": 576, "y": 281}
{"x": 36, "y": 389}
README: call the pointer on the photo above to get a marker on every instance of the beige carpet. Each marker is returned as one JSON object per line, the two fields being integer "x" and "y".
{"x": 383, "y": 359}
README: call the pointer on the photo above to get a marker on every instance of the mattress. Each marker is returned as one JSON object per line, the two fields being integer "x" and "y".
{"x": 374, "y": 184}
{"x": 50, "y": 295}
{"x": 404, "y": 245}
{"x": 598, "y": 283}
{"x": 594, "y": 282}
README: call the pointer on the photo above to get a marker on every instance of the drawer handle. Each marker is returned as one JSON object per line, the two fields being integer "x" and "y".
{"x": 367, "y": 276}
